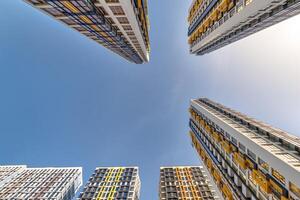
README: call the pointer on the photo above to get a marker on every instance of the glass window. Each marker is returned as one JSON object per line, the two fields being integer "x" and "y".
{"x": 263, "y": 164}
{"x": 234, "y": 141}
{"x": 242, "y": 147}
{"x": 228, "y": 135}
{"x": 251, "y": 155}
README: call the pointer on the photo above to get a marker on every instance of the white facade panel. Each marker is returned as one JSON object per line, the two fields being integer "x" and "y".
{"x": 130, "y": 13}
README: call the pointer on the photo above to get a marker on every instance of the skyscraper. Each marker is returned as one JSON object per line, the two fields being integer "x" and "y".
{"x": 216, "y": 23}
{"x": 108, "y": 183}
{"x": 119, "y": 25}
{"x": 39, "y": 183}
{"x": 188, "y": 182}
{"x": 248, "y": 159}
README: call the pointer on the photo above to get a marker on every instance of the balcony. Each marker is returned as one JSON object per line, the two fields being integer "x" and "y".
{"x": 261, "y": 180}
{"x": 226, "y": 147}
{"x": 240, "y": 160}
{"x": 226, "y": 192}
{"x": 217, "y": 176}
{"x": 277, "y": 190}
{"x": 217, "y": 136}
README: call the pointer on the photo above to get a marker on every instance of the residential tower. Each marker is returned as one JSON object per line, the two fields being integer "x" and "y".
{"x": 247, "y": 159}
{"x": 119, "y": 25}
{"x": 217, "y": 23}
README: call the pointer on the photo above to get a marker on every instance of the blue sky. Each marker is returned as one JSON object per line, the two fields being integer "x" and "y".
{"x": 67, "y": 101}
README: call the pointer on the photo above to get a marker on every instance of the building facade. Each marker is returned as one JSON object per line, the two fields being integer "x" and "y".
{"x": 247, "y": 159}
{"x": 109, "y": 183}
{"x": 39, "y": 183}
{"x": 9, "y": 172}
{"x": 121, "y": 26}
{"x": 216, "y": 23}
{"x": 185, "y": 183}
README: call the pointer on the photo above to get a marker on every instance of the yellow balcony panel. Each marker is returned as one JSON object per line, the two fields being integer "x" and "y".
{"x": 234, "y": 149}
{"x": 202, "y": 123}
{"x": 227, "y": 192}
{"x": 275, "y": 186}
{"x": 263, "y": 164}
{"x": 86, "y": 19}
{"x": 208, "y": 129}
{"x": 203, "y": 155}
{"x": 209, "y": 164}
{"x": 214, "y": 15}
{"x": 223, "y": 5}
{"x": 139, "y": 3}
{"x": 194, "y": 8}
{"x": 70, "y": 6}
{"x": 260, "y": 179}
{"x": 200, "y": 30}
{"x": 250, "y": 163}
{"x": 240, "y": 160}
{"x": 295, "y": 189}
{"x": 217, "y": 136}
{"x": 217, "y": 176}
{"x": 197, "y": 146}
{"x": 278, "y": 176}
{"x": 96, "y": 28}
{"x": 226, "y": 146}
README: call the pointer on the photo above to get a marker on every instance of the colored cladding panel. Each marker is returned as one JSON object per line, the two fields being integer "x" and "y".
{"x": 112, "y": 183}
{"x": 113, "y": 189}
{"x": 91, "y": 19}
{"x": 244, "y": 152}
{"x": 203, "y": 15}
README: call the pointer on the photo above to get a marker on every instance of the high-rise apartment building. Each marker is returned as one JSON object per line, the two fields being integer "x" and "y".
{"x": 247, "y": 159}
{"x": 216, "y": 23}
{"x": 119, "y": 25}
{"x": 185, "y": 182}
{"x": 109, "y": 183}
{"x": 20, "y": 182}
